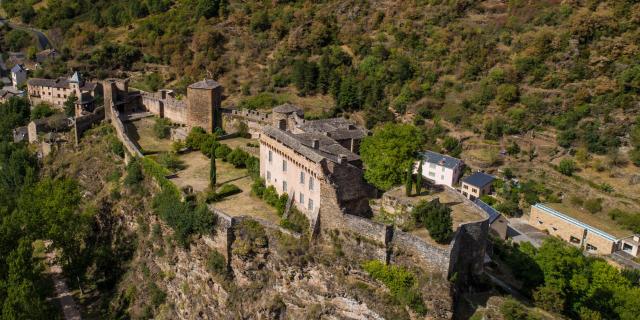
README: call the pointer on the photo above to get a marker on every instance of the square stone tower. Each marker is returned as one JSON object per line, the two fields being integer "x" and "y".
{"x": 204, "y": 99}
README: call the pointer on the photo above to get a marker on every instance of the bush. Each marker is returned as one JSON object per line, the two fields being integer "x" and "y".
{"x": 513, "y": 310}
{"x": 162, "y": 128}
{"x": 400, "y": 282}
{"x": 134, "y": 173}
{"x": 224, "y": 191}
{"x": 593, "y": 205}
{"x": 116, "y": 147}
{"x": 296, "y": 221}
{"x": 222, "y": 151}
{"x": 436, "y": 217}
{"x": 170, "y": 161}
{"x": 507, "y": 94}
{"x": 216, "y": 263}
{"x": 258, "y": 188}
{"x": 237, "y": 157}
{"x": 567, "y": 167}
{"x": 42, "y": 110}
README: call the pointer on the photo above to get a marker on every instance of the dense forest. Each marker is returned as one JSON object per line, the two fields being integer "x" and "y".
{"x": 509, "y": 67}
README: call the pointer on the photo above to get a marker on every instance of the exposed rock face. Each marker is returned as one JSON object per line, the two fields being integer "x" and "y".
{"x": 270, "y": 276}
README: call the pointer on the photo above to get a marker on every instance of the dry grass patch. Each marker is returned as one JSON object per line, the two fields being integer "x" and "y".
{"x": 141, "y": 131}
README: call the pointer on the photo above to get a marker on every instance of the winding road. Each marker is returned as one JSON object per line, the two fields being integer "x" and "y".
{"x": 43, "y": 41}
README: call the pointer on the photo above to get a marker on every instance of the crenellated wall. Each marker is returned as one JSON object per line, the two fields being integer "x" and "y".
{"x": 164, "y": 105}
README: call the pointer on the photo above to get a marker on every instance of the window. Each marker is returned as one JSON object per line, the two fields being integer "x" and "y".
{"x": 310, "y": 183}
{"x": 284, "y": 186}
{"x": 554, "y": 228}
{"x": 268, "y": 175}
{"x": 441, "y": 177}
{"x": 474, "y": 190}
{"x": 284, "y": 165}
{"x": 301, "y": 177}
{"x": 310, "y": 206}
{"x": 573, "y": 239}
{"x": 627, "y": 247}
{"x": 432, "y": 165}
{"x": 301, "y": 198}
{"x": 432, "y": 174}
{"x": 591, "y": 247}
{"x": 464, "y": 186}
{"x": 270, "y": 156}
{"x": 442, "y": 169}
{"x": 540, "y": 222}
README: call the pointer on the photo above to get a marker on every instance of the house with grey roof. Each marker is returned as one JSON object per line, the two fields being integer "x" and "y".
{"x": 57, "y": 91}
{"x": 309, "y": 165}
{"x": 498, "y": 224}
{"x": 440, "y": 169}
{"x": 18, "y": 75}
{"x": 476, "y": 185}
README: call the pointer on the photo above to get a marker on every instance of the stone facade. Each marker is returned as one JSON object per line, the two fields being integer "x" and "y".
{"x": 204, "y": 101}
{"x": 57, "y": 91}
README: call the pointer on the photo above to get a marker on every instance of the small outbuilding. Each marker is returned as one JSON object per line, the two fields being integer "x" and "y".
{"x": 477, "y": 185}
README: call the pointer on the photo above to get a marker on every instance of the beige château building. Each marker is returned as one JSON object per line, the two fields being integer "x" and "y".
{"x": 57, "y": 91}
{"x": 306, "y": 159}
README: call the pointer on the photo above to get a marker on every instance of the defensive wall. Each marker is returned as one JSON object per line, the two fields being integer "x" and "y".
{"x": 164, "y": 105}
{"x": 254, "y": 119}
{"x": 85, "y": 122}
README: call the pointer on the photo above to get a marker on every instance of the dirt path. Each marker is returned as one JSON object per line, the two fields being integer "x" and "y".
{"x": 63, "y": 294}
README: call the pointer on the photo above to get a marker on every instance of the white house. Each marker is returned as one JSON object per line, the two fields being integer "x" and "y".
{"x": 440, "y": 169}
{"x": 18, "y": 75}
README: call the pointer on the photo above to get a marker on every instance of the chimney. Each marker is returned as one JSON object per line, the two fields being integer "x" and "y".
{"x": 342, "y": 159}
{"x": 315, "y": 143}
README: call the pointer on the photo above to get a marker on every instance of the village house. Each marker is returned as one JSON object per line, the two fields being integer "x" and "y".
{"x": 57, "y": 91}
{"x": 440, "y": 169}
{"x": 18, "y": 75}
{"x": 476, "y": 185}
{"x": 567, "y": 225}
{"x": 7, "y": 93}
{"x": 304, "y": 164}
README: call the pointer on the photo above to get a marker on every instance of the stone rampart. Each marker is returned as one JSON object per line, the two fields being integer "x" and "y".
{"x": 121, "y": 133}
{"x": 85, "y": 122}
{"x": 165, "y": 106}
{"x": 407, "y": 249}
{"x": 231, "y": 119}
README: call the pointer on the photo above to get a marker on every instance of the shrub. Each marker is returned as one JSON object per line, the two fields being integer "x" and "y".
{"x": 593, "y": 205}
{"x": 42, "y": 110}
{"x": 436, "y": 217}
{"x": 507, "y": 94}
{"x": 567, "y": 167}
{"x": 216, "y": 263}
{"x": 134, "y": 173}
{"x": 222, "y": 151}
{"x": 513, "y": 310}
{"x": 116, "y": 147}
{"x": 237, "y": 157}
{"x": 296, "y": 221}
{"x": 258, "y": 188}
{"x": 224, "y": 191}
{"x": 170, "y": 161}
{"x": 162, "y": 128}
{"x": 400, "y": 282}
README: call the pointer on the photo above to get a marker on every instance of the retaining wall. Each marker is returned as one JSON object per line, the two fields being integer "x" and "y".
{"x": 84, "y": 123}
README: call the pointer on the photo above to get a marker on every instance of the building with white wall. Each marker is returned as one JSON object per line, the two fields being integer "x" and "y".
{"x": 440, "y": 169}
{"x": 18, "y": 75}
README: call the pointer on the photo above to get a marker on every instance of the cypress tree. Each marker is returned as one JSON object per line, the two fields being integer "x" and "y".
{"x": 419, "y": 179}
{"x": 212, "y": 171}
{"x": 409, "y": 181}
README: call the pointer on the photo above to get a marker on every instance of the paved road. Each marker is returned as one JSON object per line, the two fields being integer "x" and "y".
{"x": 43, "y": 41}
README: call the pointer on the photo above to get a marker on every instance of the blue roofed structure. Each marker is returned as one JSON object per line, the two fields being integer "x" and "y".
{"x": 491, "y": 212}
{"x": 440, "y": 159}
{"x": 479, "y": 179}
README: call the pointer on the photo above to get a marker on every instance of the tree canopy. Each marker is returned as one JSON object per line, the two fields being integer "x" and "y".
{"x": 388, "y": 152}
